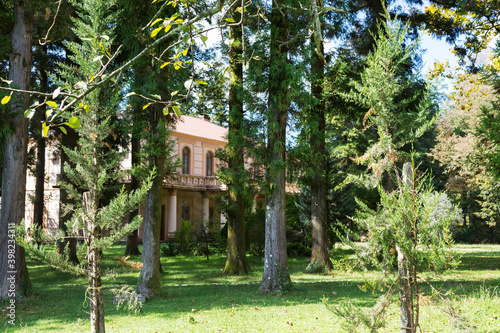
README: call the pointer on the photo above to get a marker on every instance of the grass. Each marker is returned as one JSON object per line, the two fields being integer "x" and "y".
{"x": 198, "y": 299}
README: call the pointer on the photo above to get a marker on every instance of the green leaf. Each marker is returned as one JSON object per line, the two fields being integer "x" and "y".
{"x": 156, "y": 31}
{"x": 29, "y": 113}
{"x": 177, "y": 110}
{"x": 204, "y": 39}
{"x": 45, "y": 129}
{"x": 74, "y": 122}
{"x": 165, "y": 110}
{"x": 201, "y": 82}
{"x": 63, "y": 130}
{"x": 230, "y": 20}
{"x": 5, "y": 100}
{"x": 52, "y": 104}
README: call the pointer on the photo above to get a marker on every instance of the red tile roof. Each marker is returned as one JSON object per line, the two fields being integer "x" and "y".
{"x": 201, "y": 128}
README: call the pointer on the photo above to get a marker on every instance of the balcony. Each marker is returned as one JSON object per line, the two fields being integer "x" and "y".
{"x": 196, "y": 183}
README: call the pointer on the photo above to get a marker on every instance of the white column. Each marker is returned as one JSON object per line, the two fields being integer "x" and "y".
{"x": 205, "y": 211}
{"x": 172, "y": 212}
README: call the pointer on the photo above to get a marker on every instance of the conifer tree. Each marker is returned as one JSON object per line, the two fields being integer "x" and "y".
{"x": 235, "y": 173}
{"x": 15, "y": 154}
{"x": 276, "y": 275}
{"x": 400, "y": 114}
{"x": 398, "y": 108}
{"x": 96, "y": 162}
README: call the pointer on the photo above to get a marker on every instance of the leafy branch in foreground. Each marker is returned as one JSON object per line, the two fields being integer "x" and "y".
{"x": 78, "y": 91}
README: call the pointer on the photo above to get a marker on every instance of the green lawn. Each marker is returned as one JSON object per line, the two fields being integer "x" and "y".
{"x": 198, "y": 299}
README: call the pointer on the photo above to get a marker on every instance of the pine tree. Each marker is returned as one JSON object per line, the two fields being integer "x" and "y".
{"x": 276, "y": 276}
{"x": 235, "y": 175}
{"x": 399, "y": 109}
{"x": 96, "y": 162}
{"x": 15, "y": 153}
{"x": 400, "y": 114}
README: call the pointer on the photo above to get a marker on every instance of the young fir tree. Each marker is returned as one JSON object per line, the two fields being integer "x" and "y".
{"x": 398, "y": 104}
{"x": 408, "y": 237}
{"x": 96, "y": 162}
{"x": 400, "y": 114}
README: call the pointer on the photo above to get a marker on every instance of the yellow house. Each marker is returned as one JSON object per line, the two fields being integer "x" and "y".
{"x": 187, "y": 195}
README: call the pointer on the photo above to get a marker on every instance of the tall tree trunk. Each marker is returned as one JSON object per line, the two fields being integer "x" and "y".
{"x": 69, "y": 141}
{"x": 404, "y": 273}
{"x": 95, "y": 294}
{"x": 132, "y": 242}
{"x": 276, "y": 275}
{"x": 39, "y": 203}
{"x": 15, "y": 154}
{"x": 320, "y": 241}
{"x": 149, "y": 278}
{"x": 236, "y": 260}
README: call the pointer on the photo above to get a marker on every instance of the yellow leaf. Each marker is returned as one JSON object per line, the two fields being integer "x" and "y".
{"x": 156, "y": 31}
{"x": 230, "y": 20}
{"x": 52, "y": 104}
{"x": 45, "y": 129}
{"x": 156, "y": 21}
{"x": 5, "y": 100}
{"x": 167, "y": 28}
{"x": 164, "y": 64}
{"x": 146, "y": 106}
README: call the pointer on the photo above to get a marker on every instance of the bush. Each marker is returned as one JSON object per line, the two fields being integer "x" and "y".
{"x": 184, "y": 237}
{"x": 169, "y": 249}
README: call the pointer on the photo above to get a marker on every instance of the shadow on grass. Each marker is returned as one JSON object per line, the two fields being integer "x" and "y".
{"x": 477, "y": 260}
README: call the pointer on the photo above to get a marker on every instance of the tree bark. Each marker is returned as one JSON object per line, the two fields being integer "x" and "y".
{"x": 149, "y": 278}
{"x": 69, "y": 141}
{"x": 404, "y": 274}
{"x": 236, "y": 260}
{"x": 276, "y": 276}
{"x": 132, "y": 241}
{"x": 15, "y": 154}
{"x": 39, "y": 203}
{"x": 95, "y": 294}
{"x": 320, "y": 242}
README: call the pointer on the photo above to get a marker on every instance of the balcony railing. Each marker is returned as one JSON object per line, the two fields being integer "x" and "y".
{"x": 195, "y": 182}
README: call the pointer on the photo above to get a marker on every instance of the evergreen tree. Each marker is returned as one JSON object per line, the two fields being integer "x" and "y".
{"x": 276, "y": 276}
{"x": 400, "y": 114}
{"x": 236, "y": 175}
{"x": 96, "y": 162}
{"x": 397, "y": 111}
{"x": 15, "y": 153}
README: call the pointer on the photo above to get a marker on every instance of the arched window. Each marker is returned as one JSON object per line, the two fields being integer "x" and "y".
{"x": 185, "y": 161}
{"x": 210, "y": 163}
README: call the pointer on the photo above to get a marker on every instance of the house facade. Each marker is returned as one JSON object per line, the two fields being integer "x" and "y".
{"x": 187, "y": 195}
